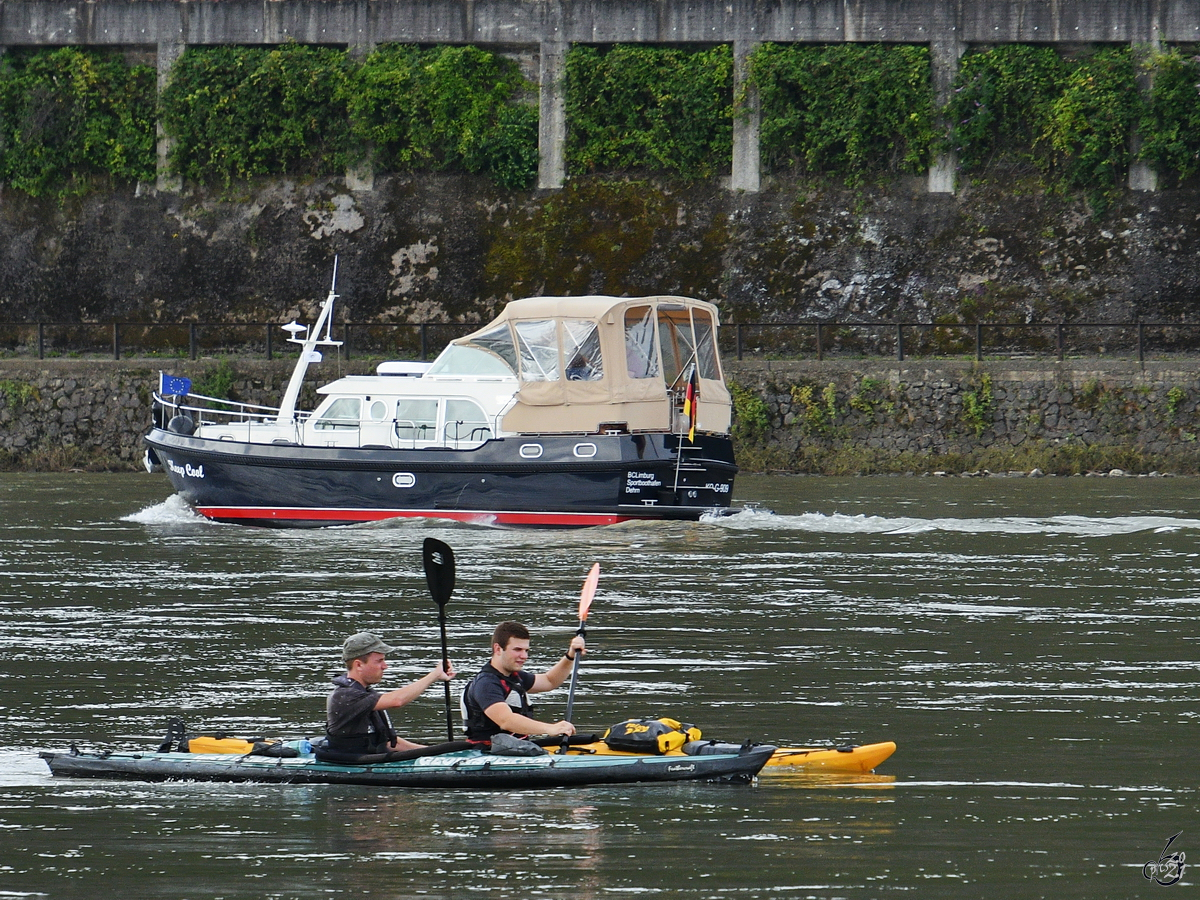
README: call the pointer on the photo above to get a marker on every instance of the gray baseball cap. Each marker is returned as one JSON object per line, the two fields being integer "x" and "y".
{"x": 362, "y": 644}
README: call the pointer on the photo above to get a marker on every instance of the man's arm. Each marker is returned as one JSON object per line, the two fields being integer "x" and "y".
{"x": 405, "y": 695}
{"x": 557, "y": 674}
{"x": 511, "y": 720}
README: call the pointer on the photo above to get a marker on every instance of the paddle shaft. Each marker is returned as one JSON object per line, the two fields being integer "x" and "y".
{"x": 582, "y": 632}
{"x": 446, "y": 668}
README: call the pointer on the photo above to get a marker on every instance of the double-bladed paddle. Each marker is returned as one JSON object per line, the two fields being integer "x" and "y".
{"x": 439, "y": 574}
{"x": 585, "y": 603}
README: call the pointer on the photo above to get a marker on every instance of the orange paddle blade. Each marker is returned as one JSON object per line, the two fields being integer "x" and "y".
{"x": 589, "y": 591}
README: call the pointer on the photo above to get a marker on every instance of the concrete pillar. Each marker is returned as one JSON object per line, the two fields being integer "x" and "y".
{"x": 944, "y": 55}
{"x": 168, "y": 54}
{"x": 552, "y": 115}
{"x": 747, "y": 119}
{"x": 1141, "y": 176}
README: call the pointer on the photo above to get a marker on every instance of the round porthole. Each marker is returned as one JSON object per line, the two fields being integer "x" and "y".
{"x": 378, "y": 411}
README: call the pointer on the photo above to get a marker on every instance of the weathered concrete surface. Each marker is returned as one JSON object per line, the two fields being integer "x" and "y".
{"x": 525, "y": 22}
{"x": 446, "y": 248}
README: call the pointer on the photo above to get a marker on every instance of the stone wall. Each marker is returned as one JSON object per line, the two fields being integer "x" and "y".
{"x": 836, "y": 416}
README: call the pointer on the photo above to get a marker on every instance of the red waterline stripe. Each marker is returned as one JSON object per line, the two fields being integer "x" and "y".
{"x": 228, "y": 513}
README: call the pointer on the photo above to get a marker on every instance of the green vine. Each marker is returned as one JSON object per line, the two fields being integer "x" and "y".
{"x": 848, "y": 111}
{"x": 1176, "y": 397}
{"x": 820, "y": 411}
{"x": 1170, "y": 128}
{"x": 70, "y": 118}
{"x": 751, "y": 417}
{"x": 978, "y": 405}
{"x": 657, "y": 109}
{"x": 17, "y": 393}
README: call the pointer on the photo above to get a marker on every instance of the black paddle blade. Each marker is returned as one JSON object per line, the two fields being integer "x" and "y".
{"x": 439, "y": 570}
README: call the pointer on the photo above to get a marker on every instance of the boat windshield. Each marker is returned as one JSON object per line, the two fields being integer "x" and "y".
{"x": 706, "y": 345}
{"x": 465, "y": 359}
{"x": 344, "y": 412}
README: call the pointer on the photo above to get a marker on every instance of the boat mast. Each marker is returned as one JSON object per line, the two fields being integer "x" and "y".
{"x": 308, "y": 351}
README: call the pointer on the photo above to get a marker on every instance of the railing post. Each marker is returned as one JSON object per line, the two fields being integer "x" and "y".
{"x": 192, "y": 339}
{"x": 269, "y": 348}
{"x": 41, "y": 340}
{"x": 1141, "y": 331}
{"x": 346, "y": 338}
{"x": 116, "y": 341}
{"x": 423, "y": 341}
{"x": 978, "y": 342}
{"x": 739, "y": 341}
{"x": 820, "y": 342}
{"x": 899, "y": 342}
{"x": 1059, "y": 330}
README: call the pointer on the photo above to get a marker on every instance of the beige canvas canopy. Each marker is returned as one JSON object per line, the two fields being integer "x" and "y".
{"x": 587, "y": 364}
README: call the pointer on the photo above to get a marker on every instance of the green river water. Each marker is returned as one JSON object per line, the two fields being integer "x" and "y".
{"x": 1030, "y": 645}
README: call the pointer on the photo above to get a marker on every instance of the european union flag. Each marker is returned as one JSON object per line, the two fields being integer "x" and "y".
{"x": 170, "y": 385}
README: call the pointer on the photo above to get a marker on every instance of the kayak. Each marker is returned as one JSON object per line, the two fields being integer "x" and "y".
{"x": 457, "y": 768}
{"x": 852, "y": 759}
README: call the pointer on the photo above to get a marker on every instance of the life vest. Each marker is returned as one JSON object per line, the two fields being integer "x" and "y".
{"x": 479, "y": 726}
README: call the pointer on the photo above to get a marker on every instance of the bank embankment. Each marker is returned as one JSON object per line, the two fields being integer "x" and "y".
{"x": 836, "y": 417}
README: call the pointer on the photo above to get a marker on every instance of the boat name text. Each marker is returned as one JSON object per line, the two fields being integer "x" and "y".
{"x": 635, "y": 481}
{"x": 186, "y": 469}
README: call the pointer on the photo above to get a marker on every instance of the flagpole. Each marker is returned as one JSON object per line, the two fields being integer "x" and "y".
{"x": 691, "y": 419}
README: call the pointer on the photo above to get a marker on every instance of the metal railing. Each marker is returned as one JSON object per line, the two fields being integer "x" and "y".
{"x": 779, "y": 340}
{"x": 123, "y": 339}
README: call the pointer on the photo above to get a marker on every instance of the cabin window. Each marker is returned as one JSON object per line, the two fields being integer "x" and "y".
{"x": 499, "y": 341}
{"x": 465, "y": 359}
{"x": 706, "y": 344}
{"x": 581, "y": 350}
{"x": 416, "y": 418}
{"x": 466, "y": 421}
{"x": 537, "y": 346}
{"x": 641, "y": 359}
{"x": 378, "y": 411}
{"x": 344, "y": 412}
{"x": 675, "y": 341}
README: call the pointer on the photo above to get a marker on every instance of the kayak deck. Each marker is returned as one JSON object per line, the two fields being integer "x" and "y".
{"x": 464, "y": 769}
{"x": 850, "y": 759}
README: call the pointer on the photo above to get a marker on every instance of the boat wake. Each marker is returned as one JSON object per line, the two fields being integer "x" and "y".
{"x": 172, "y": 511}
{"x": 836, "y": 523}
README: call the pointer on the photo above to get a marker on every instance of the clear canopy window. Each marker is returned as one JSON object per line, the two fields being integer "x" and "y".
{"x": 465, "y": 359}
{"x": 641, "y": 357}
{"x": 675, "y": 340}
{"x": 581, "y": 350}
{"x": 499, "y": 341}
{"x": 706, "y": 344}
{"x": 537, "y": 349}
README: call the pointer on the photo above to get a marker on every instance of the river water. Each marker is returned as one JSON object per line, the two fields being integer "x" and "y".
{"x": 1030, "y": 645}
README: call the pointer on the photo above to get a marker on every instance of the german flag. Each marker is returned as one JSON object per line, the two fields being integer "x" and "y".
{"x": 690, "y": 399}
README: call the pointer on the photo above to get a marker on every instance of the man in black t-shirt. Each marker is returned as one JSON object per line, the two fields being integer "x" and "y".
{"x": 497, "y": 699}
{"x": 356, "y": 719}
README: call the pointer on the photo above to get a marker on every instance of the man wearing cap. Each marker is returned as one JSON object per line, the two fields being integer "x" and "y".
{"x": 356, "y": 718}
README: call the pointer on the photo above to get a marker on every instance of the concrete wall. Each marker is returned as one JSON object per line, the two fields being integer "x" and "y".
{"x": 550, "y": 26}
{"x": 876, "y": 415}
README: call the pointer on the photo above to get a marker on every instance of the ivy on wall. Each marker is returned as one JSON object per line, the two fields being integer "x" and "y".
{"x": 445, "y": 108}
{"x": 644, "y": 108}
{"x": 848, "y": 111}
{"x": 70, "y": 118}
{"x": 238, "y": 112}
{"x": 1170, "y": 128}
